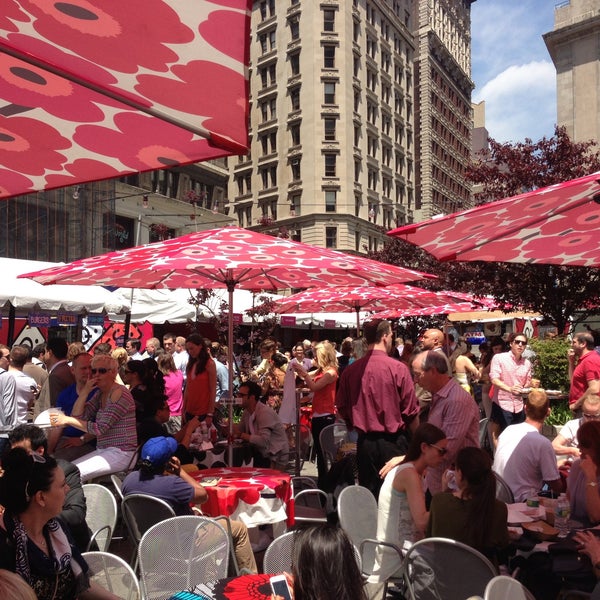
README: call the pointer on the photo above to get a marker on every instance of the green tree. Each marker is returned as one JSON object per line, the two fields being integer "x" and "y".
{"x": 559, "y": 293}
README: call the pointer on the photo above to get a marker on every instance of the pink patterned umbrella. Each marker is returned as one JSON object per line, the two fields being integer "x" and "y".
{"x": 395, "y": 298}
{"x": 95, "y": 89}
{"x": 440, "y": 309}
{"x": 559, "y": 224}
{"x": 226, "y": 258}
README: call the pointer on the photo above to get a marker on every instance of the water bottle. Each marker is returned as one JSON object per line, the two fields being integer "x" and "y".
{"x": 562, "y": 511}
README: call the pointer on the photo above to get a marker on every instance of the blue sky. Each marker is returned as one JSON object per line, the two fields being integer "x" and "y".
{"x": 511, "y": 67}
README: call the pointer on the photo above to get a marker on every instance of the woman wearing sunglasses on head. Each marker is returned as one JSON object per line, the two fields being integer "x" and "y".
{"x": 33, "y": 544}
{"x": 402, "y": 515}
{"x": 471, "y": 514}
{"x": 109, "y": 415}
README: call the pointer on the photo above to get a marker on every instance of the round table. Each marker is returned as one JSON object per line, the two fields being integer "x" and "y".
{"x": 252, "y": 495}
{"x": 255, "y": 587}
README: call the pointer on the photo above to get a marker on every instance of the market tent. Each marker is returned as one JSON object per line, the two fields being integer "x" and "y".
{"x": 26, "y": 295}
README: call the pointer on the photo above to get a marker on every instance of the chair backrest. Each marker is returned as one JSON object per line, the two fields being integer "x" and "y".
{"x": 357, "y": 512}
{"x": 113, "y": 574}
{"x": 117, "y": 484}
{"x": 503, "y": 491}
{"x": 278, "y": 556}
{"x": 331, "y": 438}
{"x": 444, "y": 569}
{"x": 180, "y": 553}
{"x": 140, "y": 512}
{"x": 503, "y": 587}
{"x": 101, "y": 514}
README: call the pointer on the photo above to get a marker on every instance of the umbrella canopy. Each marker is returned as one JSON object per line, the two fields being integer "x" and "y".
{"x": 440, "y": 309}
{"x": 95, "y": 89}
{"x": 356, "y": 299}
{"x": 230, "y": 257}
{"x": 559, "y": 224}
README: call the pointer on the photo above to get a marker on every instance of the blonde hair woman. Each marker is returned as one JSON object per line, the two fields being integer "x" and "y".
{"x": 322, "y": 384}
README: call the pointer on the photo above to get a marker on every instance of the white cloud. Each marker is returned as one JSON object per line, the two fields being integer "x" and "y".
{"x": 520, "y": 102}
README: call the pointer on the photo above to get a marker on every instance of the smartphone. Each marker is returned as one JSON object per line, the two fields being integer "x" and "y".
{"x": 279, "y": 586}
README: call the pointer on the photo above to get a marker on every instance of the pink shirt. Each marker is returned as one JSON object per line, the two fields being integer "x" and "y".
{"x": 174, "y": 392}
{"x": 510, "y": 371}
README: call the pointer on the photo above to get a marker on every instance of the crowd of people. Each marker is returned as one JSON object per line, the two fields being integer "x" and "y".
{"x": 414, "y": 411}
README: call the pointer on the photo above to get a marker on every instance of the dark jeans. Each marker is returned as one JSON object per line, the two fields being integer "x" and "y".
{"x": 373, "y": 450}
{"x": 317, "y": 425}
{"x": 4, "y": 446}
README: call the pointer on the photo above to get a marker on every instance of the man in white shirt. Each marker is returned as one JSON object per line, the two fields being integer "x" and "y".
{"x": 181, "y": 356}
{"x": 524, "y": 458}
{"x": 565, "y": 443}
{"x": 8, "y": 405}
{"x": 26, "y": 387}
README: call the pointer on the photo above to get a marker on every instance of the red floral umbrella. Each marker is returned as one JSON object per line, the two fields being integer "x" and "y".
{"x": 559, "y": 224}
{"x": 226, "y": 258}
{"x": 395, "y": 298}
{"x": 439, "y": 309}
{"x": 94, "y": 89}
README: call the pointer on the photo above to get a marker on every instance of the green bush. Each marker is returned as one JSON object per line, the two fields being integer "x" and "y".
{"x": 561, "y": 413}
{"x": 551, "y": 365}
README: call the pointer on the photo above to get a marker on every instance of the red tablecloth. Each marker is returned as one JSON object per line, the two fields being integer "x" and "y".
{"x": 251, "y": 495}
{"x": 245, "y": 587}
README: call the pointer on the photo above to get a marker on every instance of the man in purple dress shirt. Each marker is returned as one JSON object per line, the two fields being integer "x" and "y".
{"x": 376, "y": 396}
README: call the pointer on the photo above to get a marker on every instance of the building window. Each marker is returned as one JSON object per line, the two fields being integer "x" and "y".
{"x": 329, "y": 57}
{"x": 330, "y": 161}
{"x": 329, "y": 129}
{"x": 328, "y": 19}
{"x": 295, "y": 205}
{"x": 295, "y": 164}
{"x": 330, "y": 200}
{"x": 295, "y": 63}
{"x": 267, "y": 9}
{"x": 295, "y": 133}
{"x": 295, "y": 98}
{"x": 330, "y": 237}
{"x": 329, "y": 97}
{"x": 295, "y": 28}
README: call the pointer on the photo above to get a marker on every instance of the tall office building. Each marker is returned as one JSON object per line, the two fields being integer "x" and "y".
{"x": 331, "y": 122}
{"x": 574, "y": 47}
{"x": 443, "y": 113}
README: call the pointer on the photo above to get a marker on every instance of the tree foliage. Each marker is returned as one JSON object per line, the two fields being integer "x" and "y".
{"x": 560, "y": 293}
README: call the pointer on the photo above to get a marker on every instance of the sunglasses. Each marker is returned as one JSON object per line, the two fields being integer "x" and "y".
{"x": 590, "y": 416}
{"x": 441, "y": 450}
{"x": 101, "y": 371}
{"x": 520, "y": 342}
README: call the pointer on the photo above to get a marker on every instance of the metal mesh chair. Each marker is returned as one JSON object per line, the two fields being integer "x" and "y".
{"x": 503, "y": 491}
{"x": 444, "y": 569}
{"x": 503, "y": 587}
{"x": 310, "y": 503}
{"x": 357, "y": 511}
{"x": 180, "y": 553}
{"x": 101, "y": 514}
{"x": 300, "y": 442}
{"x": 331, "y": 438}
{"x": 140, "y": 512}
{"x": 113, "y": 574}
{"x": 278, "y": 556}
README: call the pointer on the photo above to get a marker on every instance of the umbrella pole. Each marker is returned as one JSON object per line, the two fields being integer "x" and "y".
{"x": 230, "y": 287}
{"x": 357, "y": 309}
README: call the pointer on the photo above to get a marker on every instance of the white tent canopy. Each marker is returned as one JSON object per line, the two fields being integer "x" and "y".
{"x": 26, "y": 295}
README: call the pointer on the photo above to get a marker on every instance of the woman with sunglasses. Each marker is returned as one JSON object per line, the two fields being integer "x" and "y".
{"x": 33, "y": 544}
{"x": 471, "y": 514}
{"x": 109, "y": 414}
{"x": 402, "y": 514}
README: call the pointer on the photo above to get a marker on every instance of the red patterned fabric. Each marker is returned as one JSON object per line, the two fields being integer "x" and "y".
{"x": 94, "y": 89}
{"x": 395, "y": 298}
{"x": 557, "y": 225}
{"x": 215, "y": 258}
{"x": 244, "y": 484}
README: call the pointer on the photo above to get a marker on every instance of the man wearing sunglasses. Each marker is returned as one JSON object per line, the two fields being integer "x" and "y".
{"x": 510, "y": 373}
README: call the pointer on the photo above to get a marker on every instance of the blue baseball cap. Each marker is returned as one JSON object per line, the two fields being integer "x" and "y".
{"x": 159, "y": 450}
